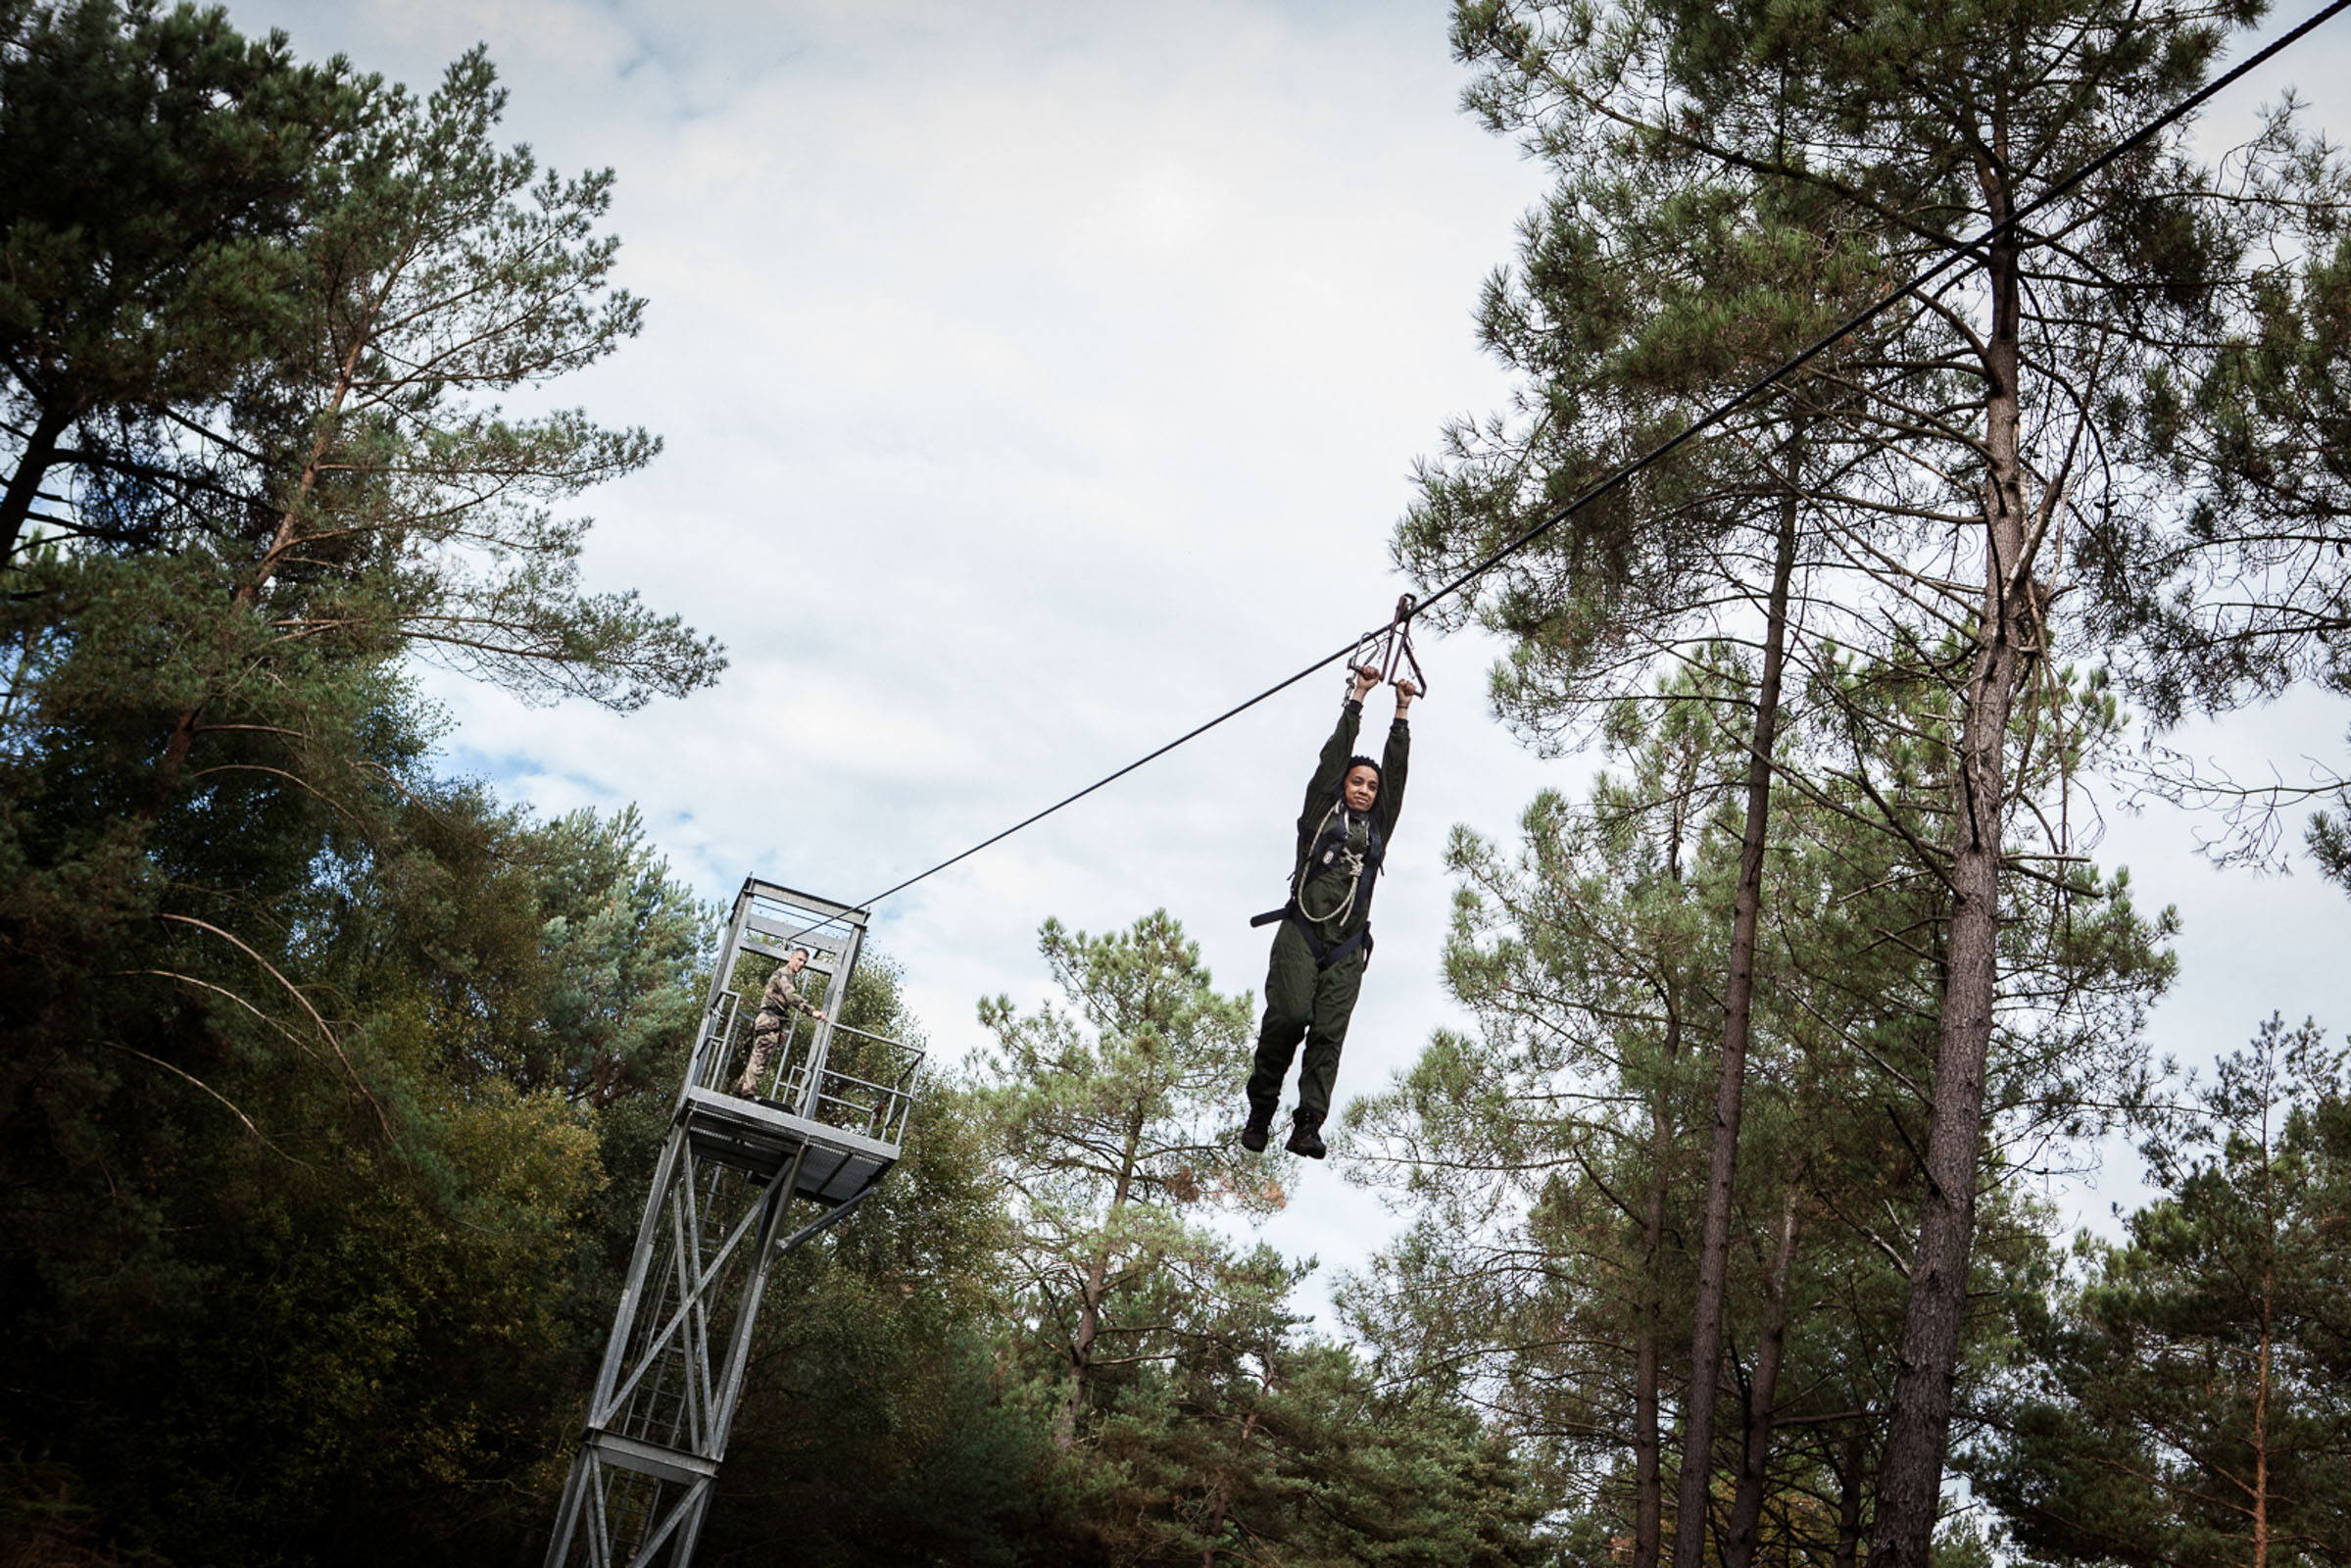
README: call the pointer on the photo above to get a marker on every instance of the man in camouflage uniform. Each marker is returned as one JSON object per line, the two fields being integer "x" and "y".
{"x": 777, "y": 1002}
{"x": 1324, "y": 942}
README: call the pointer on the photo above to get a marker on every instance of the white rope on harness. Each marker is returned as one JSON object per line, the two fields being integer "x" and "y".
{"x": 1343, "y": 854}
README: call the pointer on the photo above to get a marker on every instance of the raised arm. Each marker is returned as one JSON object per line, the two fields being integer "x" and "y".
{"x": 1331, "y": 767}
{"x": 1395, "y": 761}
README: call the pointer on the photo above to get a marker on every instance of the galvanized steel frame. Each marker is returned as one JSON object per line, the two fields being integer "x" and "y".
{"x": 728, "y": 1180}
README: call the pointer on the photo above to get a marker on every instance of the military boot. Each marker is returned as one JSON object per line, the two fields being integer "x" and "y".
{"x": 1305, "y": 1136}
{"x": 1259, "y": 1125}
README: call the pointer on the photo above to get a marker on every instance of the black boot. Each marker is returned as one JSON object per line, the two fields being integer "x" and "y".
{"x": 1260, "y": 1123}
{"x": 1305, "y": 1136}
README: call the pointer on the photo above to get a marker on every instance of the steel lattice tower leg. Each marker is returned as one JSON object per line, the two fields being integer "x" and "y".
{"x": 739, "y": 1183}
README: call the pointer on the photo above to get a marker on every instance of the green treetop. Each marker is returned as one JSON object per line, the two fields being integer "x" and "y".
{"x": 156, "y": 169}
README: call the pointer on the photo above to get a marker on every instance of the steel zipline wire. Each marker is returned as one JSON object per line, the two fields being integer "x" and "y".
{"x": 1655, "y": 455}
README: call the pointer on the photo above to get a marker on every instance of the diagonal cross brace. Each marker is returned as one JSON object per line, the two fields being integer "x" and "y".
{"x": 690, "y": 1303}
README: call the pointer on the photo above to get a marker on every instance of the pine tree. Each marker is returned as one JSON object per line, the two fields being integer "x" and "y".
{"x": 1551, "y": 1158}
{"x": 156, "y": 168}
{"x": 1974, "y": 423}
{"x": 191, "y": 729}
{"x": 407, "y": 514}
{"x": 1111, "y": 1119}
{"x": 300, "y": 1038}
{"x": 1649, "y": 283}
{"x": 2186, "y": 1403}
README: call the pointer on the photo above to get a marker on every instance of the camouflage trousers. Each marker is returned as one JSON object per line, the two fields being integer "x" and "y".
{"x": 767, "y": 1031}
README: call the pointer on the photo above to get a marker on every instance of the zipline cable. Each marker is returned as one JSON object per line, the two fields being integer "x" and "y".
{"x": 1690, "y": 432}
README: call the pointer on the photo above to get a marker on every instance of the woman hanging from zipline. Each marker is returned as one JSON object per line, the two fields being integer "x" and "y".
{"x": 1325, "y": 935}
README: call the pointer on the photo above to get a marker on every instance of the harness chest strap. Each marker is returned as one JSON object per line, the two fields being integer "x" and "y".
{"x": 1333, "y": 845}
{"x": 1363, "y": 866}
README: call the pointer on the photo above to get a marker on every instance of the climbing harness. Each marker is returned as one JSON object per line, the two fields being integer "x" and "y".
{"x": 1387, "y": 650}
{"x": 1334, "y": 846}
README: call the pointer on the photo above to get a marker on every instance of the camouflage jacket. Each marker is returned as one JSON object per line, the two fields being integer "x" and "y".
{"x": 783, "y": 994}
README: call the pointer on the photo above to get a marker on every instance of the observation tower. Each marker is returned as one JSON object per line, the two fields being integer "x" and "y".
{"x": 740, "y": 1182}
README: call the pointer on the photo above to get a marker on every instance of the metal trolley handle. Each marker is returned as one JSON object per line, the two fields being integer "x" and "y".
{"x": 1387, "y": 650}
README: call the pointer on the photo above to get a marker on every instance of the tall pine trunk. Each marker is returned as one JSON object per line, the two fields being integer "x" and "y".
{"x": 1648, "y": 1488}
{"x": 1918, "y": 1431}
{"x": 2269, "y": 1329}
{"x": 1848, "y": 1505}
{"x": 1714, "y": 1246}
{"x": 1746, "y": 1507}
{"x": 183, "y": 738}
{"x": 1649, "y": 1348}
{"x": 2261, "y": 1426}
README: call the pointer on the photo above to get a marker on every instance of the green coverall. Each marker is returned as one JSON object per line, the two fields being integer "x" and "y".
{"x": 1303, "y": 1000}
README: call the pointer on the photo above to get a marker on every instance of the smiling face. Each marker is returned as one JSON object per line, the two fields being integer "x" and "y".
{"x": 1362, "y": 788}
{"x": 797, "y": 960}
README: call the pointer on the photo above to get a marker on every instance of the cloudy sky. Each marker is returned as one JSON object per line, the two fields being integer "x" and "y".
{"x": 1038, "y": 380}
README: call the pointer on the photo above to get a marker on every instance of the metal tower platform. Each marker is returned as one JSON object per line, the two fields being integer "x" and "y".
{"x": 740, "y": 1182}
